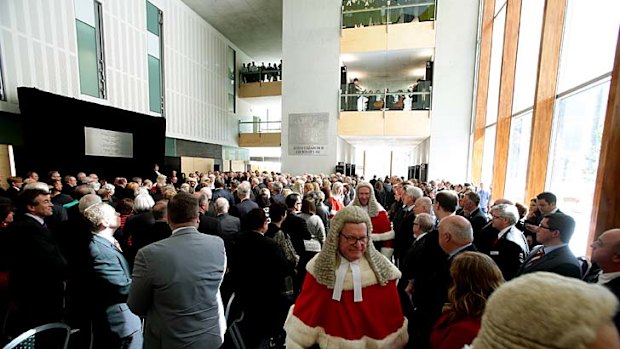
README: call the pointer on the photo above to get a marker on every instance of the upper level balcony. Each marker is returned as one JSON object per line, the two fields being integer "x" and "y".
{"x": 387, "y": 25}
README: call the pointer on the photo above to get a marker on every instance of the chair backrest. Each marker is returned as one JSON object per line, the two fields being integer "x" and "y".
{"x": 585, "y": 265}
{"x": 28, "y": 339}
{"x": 233, "y": 324}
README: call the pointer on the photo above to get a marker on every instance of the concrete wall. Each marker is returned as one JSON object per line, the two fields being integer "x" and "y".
{"x": 39, "y": 49}
{"x": 310, "y": 75}
{"x": 453, "y": 88}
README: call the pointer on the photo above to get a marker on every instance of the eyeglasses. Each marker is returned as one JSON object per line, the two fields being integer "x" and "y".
{"x": 495, "y": 217}
{"x": 548, "y": 228}
{"x": 352, "y": 240}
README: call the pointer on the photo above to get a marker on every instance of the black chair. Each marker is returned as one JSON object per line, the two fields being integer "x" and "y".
{"x": 234, "y": 317}
{"x": 31, "y": 339}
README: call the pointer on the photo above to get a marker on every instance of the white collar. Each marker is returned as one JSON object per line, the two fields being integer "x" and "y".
{"x": 604, "y": 278}
{"x": 36, "y": 218}
{"x": 341, "y": 272}
{"x": 420, "y": 236}
{"x": 503, "y": 232}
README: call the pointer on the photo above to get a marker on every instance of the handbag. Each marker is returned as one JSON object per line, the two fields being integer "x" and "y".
{"x": 312, "y": 245}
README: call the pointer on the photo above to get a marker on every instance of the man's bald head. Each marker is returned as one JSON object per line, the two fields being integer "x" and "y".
{"x": 606, "y": 251}
{"x": 423, "y": 205}
{"x": 454, "y": 232}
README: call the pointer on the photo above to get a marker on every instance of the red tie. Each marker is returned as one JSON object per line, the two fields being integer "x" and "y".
{"x": 539, "y": 254}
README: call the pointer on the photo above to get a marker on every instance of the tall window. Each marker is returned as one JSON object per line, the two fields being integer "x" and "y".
{"x": 518, "y": 154}
{"x": 576, "y": 146}
{"x": 155, "y": 40}
{"x": 232, "y": 82}
{"x": 91, "y": 60}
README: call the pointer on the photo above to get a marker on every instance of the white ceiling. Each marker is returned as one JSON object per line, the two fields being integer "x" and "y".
{"x": 255, "y": 26}
{"x": 376, "y": 141}
{"x": 387, "y": 68}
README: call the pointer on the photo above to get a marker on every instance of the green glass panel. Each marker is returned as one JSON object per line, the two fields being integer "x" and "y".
{"x": 87, "y": 59}
{"x": 152, "y": 18}
{"x": 154, "y": 85}
{"x": 171, "y": 147}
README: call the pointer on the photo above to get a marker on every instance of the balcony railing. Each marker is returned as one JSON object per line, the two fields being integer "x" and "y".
{"x": 260, "y": 126}
{"x": 368, "y": 101}
{"x": 362, "y": 13}
{"x": 260, "y": 75}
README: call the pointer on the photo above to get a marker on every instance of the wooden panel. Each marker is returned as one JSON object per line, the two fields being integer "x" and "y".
{"x": 260, "y": 89}
{"x": 5, "y": 165}
{"x": 542, "y": 120}
{"x": 273, "y": 88}
{"x": 411, "y": 35}
{"x": 399, "y": 36}
{"x": 260, "y": 139}
{"x": 369, "y": 123}
{"x": 407, "y": 123}
{"x": 366, "y": 39}
{"x": 484, "y": 68}
{"x": 251, "y": 89}
{"x": 506, "y": 91}
{"x": 606, "y": 203}
{"x": 237, "y": 165}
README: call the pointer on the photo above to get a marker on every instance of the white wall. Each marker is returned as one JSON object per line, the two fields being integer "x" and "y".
{"x": 39, "y": 49}
{"x": 310, "y": 75}
{"x": 453, "y": 83}
{"x": 346, "y": 152}
{"x": 420, "y": 152}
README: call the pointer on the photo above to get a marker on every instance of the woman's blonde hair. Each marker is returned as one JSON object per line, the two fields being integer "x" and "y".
{"x": 475, "y": 276}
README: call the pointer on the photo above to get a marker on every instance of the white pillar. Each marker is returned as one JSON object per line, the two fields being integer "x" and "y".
{"x": 453, "y": 88}
{"x": 310, "y": 84}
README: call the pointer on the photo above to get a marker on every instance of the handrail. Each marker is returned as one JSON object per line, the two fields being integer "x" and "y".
{"x": 396, "y": 7}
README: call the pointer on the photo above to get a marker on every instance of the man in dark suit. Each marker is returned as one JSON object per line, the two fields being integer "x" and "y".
{"x": 176, "y": 283}
{"x": 230, "y": 225}
{"x": 245, "y": 205}
{"x": 261, "y": 262}
{"x": 510, "y": 248}
{"x": 158, "y": 231}
{"x": 276, "y": 193}
{"x": 472, "y": 211}
{"x": 220, "y": 191}
{"x": 207, "y": 224}
{"x": 114, "y": 325}
{"x": 37, "y": 270}
{"x": 554, "y": 233}
{"x": 606, "y": 253}
{"x": 297, "y": 228}
{"x": 404, "y": 232}
{"x": 15, "y": 186}
{"x": 428, "y": 287}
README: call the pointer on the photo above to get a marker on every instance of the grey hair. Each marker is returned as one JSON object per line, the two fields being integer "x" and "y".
{"x": 277, "y": 187}
{"x": 37, "y": 185}
{"x": 243, "y": 190}
{"x": 87, "y": 201}
{"x": 99, "y": 212}
{"x": 507, "y": 211}
{"x": 221, "y": 205}
{"x": 414, "y": 192}
{"x": 425, "y": 222}
{"x": 425, "y": 202}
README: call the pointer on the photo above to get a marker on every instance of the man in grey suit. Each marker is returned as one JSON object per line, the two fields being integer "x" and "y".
{"x": 109, "y": 278}
{"x": 176, "y": 283}
{"x": 230, "y": 224}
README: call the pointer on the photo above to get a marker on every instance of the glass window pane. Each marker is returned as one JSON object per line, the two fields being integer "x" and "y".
{"x": 588, "y": 44}
{"x": 152, "y": 18}
{"x": 518, "y": 155}
{"x": 530, "y": 31}
{"x": 577, "y": 133}
{"x": 497, "y": 48}
{"x": 488, "y": 157}
{"x": 87, "y": 59}
{"x": 232, "y": 74}
{"x": 154, "y": 84}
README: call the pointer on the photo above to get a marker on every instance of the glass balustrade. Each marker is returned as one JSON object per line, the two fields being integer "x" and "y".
{"x": 364, "y": 13}
{"x": 260, "y": 126}
{"x": 373, "y": 101}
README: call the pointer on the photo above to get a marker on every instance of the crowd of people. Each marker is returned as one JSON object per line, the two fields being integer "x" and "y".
{"x": 250, "y": 72}
{"x": 332, "y": 261}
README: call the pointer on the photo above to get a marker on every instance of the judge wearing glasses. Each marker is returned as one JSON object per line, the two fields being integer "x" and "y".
{"x": 554, "y": 233}
{"x": 358, "y": 286}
